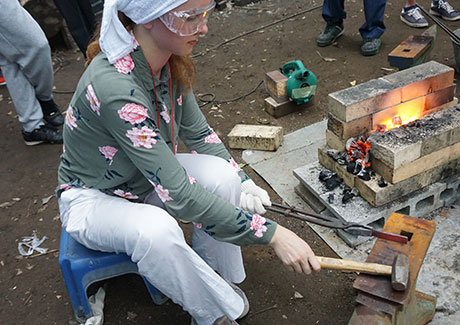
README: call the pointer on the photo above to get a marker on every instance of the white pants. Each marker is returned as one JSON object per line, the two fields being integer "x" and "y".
{"x": 154, "y": 240}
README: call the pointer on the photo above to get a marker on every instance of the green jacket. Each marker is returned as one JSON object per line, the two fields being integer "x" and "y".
{"x": 117, "y": 141}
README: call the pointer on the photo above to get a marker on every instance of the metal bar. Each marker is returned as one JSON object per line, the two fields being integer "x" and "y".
{"x": 294, "y": 209}
{"x": 326, "y": 223}
{"x": 440, "y": 24}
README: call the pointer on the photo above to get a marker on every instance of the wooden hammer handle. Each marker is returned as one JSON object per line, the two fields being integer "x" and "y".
{"x": 347, "y": 265}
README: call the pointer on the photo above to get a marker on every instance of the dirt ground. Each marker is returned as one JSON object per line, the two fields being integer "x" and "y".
{"x": 32, "y": 290}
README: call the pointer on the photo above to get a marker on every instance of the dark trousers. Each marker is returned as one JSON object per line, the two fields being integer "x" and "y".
{"x": 80, "y": 20}
{"x": 374, "y": 10}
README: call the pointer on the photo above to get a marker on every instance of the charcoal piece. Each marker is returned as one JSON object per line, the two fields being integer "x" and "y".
{"x": 382, "y": 182}
{"x": 333, "y": 182}
{"x": 334, "y": 154}
{"x": 347, "y": 196}
{"x": 351, "y": 166}
{"x": 346, "y": 189}
{"x": 330, "y": 198}
{"x": 364, "y": 175}
{"x": 325, "y": 174}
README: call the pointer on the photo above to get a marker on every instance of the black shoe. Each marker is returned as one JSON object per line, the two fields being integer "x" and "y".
{"x": 44, "y": 133}
{"x": 330, "y": 34}
{"x": 370, "y": 46}
{"x": 51, "y": 112}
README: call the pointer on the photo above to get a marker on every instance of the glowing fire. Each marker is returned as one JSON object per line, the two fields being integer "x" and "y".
{"x": 403, "y": 115}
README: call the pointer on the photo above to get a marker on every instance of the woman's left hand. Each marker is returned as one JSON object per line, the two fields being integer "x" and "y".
{"x": 253, "y": 198}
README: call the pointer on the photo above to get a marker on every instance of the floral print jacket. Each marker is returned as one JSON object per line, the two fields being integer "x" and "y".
{"x": 117, "y": 141}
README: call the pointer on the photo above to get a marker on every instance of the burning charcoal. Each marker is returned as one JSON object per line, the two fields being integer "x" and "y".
{"x": 381, "y": 128}
{"x": 325, "y": 175}
{"x": 382, "y": 182}
{"x": 333, "y": 182}
{"x": 330, "y": 198}
{"x": 397, "y": 121}
{"x": 349, "y": 195}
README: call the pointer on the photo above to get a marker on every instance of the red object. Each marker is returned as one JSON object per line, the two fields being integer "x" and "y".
{"x": 2, "y": 79}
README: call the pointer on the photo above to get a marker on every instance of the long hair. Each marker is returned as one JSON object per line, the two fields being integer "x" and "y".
{"x": 182, "y": 67}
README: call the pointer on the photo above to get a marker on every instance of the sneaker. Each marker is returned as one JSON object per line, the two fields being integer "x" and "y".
{"x": 2, "y": 78}
{"x": 444, "y": 10}
{"x": 330, "y": 34}
{"x": 51, "y": 112}
{"x": 370, "y": 46}
{"x": 413, "y": 17}
{"x": 44, "y": 133}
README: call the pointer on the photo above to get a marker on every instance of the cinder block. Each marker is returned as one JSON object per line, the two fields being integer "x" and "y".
{"x": 364, "y": 99}
{"x": 258, "y": 137}
{"x": 421, "y": 79}
{"x": 277, "y": 109}
{"x": 346, "y": 130}
{"x": 418, "y": 166}
{"x": 334, "y": 142}
{"x": 276, "y": 82}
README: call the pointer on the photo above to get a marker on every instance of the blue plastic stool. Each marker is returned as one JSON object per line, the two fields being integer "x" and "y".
{"x": 81, "y": 267}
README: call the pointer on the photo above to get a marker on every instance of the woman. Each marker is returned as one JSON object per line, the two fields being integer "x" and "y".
{"x": 121, "y": 182}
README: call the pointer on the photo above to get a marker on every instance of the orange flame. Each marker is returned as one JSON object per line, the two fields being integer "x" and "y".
{"x": 405, "y": 114}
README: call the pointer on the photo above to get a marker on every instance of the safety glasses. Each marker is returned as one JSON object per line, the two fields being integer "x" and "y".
{"x": 187, "y": 22}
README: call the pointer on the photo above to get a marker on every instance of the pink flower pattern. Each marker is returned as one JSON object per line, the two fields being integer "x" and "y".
{"x": 63, "y": 148}
{"x": 94, "y": 103}
{"x": 124, "y": 65}
{"x": 133, "y": 113}
{"x": 70, "y": 119}
{"x": 65, "y": 187}
{"x": 126, "y": 195}
{"x": 234, "y": 164}
{"x": 191, "y": 179}
{"x": 198, "y": 225}
{"x": 212, "y": 138}
{"x": 179, "y": 100}
{"x": 193, "y": 152}
{"x": 257, "y": 224}
{"x": 144, "y": 137}
{"x": 108, "y": 152}
{"x": 163, "y": 193}
{"x": 165, "y": 115}
{"x": 135, "y": 43}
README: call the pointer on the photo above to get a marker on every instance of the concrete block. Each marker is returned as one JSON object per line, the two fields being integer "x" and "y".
{"x": 258, "y": 137}
{"x": 334, "y": 142}
{"x": 346, "y": 130}
{"x": 421, "y": 79}
{"x": 308, "y": 197}
{"x": 276, "y": 82}
{"x": 363, "y": 99}
{"x": 278, "y": 109}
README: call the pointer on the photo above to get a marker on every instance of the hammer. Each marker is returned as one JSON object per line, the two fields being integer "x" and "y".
{"x": 399, "y": 271}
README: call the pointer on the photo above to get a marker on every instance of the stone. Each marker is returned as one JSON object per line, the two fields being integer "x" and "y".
{"x": 349, "y": 129}
{"x": 278, "y": 109}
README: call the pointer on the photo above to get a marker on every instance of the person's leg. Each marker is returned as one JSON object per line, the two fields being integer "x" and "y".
{"x": 334, "y": 11}
{"x": 334, "y": 14}
{"x": 374, "y": 12}
{"x": 156, "y": 243}
{"x": 80, "y": 26}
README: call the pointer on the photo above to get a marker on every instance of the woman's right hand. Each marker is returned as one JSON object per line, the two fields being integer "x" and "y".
{"x": 293, "y": 251}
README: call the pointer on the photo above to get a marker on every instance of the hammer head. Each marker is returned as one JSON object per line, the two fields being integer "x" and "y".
{"x": 400, "y": 272}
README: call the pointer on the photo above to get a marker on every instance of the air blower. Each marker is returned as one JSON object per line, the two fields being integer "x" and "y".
{"x": 301, "y": 84}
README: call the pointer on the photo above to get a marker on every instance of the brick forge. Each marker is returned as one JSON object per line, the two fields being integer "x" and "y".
{"x": 411, "y": 157}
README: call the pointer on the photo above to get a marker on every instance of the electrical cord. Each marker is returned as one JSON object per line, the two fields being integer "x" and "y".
{"x": 256, "y": 30}
{"x": 202, "y": 97}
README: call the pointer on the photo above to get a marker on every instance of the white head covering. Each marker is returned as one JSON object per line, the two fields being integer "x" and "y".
{"x": 115, "y": 41}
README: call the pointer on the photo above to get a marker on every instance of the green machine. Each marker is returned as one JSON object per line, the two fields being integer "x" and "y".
{"x": 301, "y": 84}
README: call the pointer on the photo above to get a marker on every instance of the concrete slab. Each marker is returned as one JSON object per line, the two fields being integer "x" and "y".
{"x": 440, "y": 274}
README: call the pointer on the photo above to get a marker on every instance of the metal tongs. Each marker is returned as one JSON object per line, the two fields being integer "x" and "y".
{"x": 352, "y": 228}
